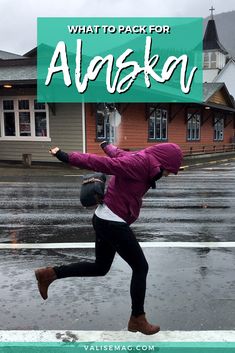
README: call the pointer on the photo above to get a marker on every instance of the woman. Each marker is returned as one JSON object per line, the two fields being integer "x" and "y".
{"x": 132, "y": 175}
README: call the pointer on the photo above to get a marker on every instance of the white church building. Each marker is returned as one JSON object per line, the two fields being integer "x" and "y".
{"x": 219, "y": 66}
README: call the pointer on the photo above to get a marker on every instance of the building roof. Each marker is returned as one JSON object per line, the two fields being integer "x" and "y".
{"x": 4, "y": 55}
{"x": 211, "y": 39}
{"x": 231, "y": 61}
{"x": 18, "y": 73}
{"x": 210, "y": 88}
{"x": 17, "y": 69}
{"x": 31, "y": 53}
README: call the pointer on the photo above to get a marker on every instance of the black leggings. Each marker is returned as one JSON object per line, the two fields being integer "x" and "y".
{"x": 112, "y": 237}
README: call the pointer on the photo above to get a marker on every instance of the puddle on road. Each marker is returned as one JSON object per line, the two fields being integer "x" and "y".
{"x": 47, "y": 234}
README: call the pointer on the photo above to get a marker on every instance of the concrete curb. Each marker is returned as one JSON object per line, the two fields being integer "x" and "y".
{"x": 115, "y": 336}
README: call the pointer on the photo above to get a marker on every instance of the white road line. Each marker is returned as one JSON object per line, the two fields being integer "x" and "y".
{"x": 91, "y": 245}
{"x": 116, "y": 336}
{"x": 17, "y": 182}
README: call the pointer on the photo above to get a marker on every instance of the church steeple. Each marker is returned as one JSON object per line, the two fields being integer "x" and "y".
{"x": 214, "y": 53}
{"x": 212, "y": 9}
{"x": 211, "y": 40}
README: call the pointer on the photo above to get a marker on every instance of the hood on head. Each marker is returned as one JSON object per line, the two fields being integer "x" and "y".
{"x": 166, "y": 155}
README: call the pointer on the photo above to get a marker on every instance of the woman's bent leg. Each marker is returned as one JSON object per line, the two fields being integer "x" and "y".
{"x": 104, "y": 252}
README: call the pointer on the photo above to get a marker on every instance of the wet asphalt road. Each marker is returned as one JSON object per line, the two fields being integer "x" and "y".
{"x": 188, "y": 288}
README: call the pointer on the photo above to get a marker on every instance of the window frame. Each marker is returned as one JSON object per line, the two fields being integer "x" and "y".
{"x": 16, "y": 112}
{"x": 210, "y": 60}
{"x": 217, "y": 120}
{"x": 109, "y": 130}
{"x": 156, "y": 118}
{"x": 192, "y": 136}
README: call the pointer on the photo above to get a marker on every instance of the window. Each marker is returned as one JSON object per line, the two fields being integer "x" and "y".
{"x": 206, "y": 61}
{"x": 23, "y": 119}
{"x": 193, "y": 126}
{"x": 105, "y": 127}
{"x": 158, "y": 124}
{"x": 210, "y": 60}
{"x": 218, "y": 128}
{"x": 213, "y": 60}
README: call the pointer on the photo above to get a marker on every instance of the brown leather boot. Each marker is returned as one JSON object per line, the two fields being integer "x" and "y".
{"x": 45, "y": 276}
{"x": 140, "y": 324}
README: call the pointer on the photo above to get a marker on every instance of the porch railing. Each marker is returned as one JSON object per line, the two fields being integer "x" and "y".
{"x": 189, "y": 150}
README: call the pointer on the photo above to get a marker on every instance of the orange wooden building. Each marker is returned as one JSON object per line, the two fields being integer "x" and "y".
{"x": 206, "y": 127}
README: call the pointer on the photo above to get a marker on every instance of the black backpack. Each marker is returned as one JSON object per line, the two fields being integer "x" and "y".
{"x": 92, "y": 189}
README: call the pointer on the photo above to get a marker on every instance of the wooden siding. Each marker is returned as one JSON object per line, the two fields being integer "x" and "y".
{"x": 65, "y": 132}
{"x": 133, "y": 130}
{"x": 219, "y": 98}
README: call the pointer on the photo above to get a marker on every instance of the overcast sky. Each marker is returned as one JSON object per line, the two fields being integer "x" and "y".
{"x": 18, "y": 23}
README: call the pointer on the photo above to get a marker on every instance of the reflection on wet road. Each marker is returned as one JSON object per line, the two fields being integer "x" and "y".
{"x": 188, "y": 288}
{"x": 197, "y": 205}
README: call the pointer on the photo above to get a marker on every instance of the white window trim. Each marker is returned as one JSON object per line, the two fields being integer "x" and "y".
{"x": 31, "y": 99}
{"x": 219, "y": 122}
{"x": 194, "y": 127}
{"x": 153, "y": 115}
{"x": 25, "y": 138}
{"x": 112, "y": 129}
{"x": 216, "y": 63}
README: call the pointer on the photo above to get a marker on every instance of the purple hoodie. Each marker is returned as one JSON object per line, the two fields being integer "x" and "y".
{"x": 132, "y": 173}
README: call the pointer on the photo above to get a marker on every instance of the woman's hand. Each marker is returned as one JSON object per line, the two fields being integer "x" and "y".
{"x": 54, "y": 150}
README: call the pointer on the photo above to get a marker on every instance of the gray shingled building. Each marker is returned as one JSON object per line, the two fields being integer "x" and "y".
{"x": 29, "y": 127}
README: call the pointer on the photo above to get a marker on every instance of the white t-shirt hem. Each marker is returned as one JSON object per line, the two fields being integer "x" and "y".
{"x": 104, "y": 212}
